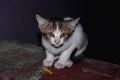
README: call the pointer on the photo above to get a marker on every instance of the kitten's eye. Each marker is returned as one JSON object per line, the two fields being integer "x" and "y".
{"x": 50, "y": 34}
{"x": 63, "y": 35}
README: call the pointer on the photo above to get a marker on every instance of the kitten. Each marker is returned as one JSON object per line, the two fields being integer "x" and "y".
{"x": 60, "y": 38}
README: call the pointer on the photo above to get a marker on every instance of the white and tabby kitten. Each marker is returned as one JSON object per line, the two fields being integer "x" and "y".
{"x": 60, "y": 38}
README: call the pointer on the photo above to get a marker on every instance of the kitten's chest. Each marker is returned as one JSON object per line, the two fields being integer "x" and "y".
{"x": 55, "y": 51}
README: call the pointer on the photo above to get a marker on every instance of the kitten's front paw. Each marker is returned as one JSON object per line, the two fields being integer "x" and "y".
{"x": 69, "y": 63}
{"x": 59, "y": 65}
{"x": 48, "y": 62}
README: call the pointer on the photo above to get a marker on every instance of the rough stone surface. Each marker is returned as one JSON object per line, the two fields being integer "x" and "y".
{"x": 20, "y": 61}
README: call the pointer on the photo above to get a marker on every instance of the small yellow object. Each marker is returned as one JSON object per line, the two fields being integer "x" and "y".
{"x": 47, "y": 70}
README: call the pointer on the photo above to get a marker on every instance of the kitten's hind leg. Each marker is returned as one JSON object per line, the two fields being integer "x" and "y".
{"x": 81, "y": 48}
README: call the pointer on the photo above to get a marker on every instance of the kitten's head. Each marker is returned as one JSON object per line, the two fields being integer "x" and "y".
{"x": 56, "y": 31}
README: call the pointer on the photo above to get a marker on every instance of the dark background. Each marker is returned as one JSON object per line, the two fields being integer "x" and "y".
{"x": 17, "y": 21}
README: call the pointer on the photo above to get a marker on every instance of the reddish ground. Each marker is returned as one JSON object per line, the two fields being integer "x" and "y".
{"x": 86, "y": 70}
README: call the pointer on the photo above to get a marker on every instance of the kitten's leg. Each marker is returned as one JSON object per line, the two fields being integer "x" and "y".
{"x": 64, "y": 59}
{"x": 48, "y": 61}
{"x": 69, "y": 63}
{"x": 81, "y": 50}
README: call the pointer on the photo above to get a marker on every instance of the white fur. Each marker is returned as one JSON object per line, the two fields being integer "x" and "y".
{"x": 64, "y": 51}
{"x": 68, "y": 18}
{"x": 57, "y": 34}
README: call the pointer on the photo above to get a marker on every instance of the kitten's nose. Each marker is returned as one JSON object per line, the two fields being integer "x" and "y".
{"x": 57, "y": 41}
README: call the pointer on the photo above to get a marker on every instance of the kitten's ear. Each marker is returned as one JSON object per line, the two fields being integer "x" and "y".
{"x": 72, "y": 24}
{"x": 42, "y": 22}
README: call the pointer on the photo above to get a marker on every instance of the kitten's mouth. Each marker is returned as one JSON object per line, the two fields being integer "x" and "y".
{"x": 57, "y": 46}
